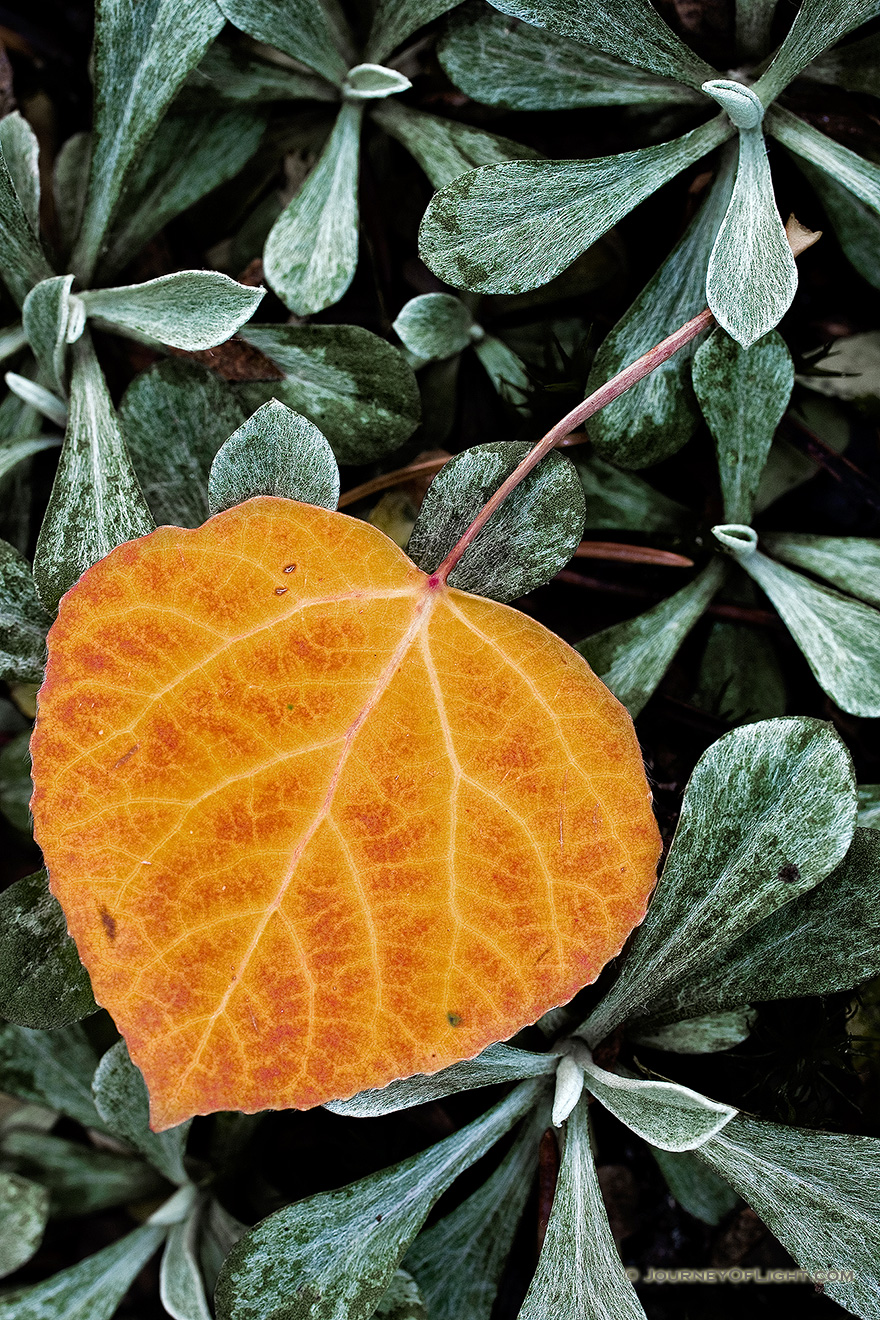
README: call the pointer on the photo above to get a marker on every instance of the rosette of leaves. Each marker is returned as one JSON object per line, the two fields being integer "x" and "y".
{"x": 517, "y": 225}
{"x": 311, "y": 252}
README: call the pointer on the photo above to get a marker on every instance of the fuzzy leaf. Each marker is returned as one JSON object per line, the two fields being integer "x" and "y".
{"x": 38, "y": 397}
{"x": 21, "y": 152}
{"x": 853, "y": 66}
{"x": 851, "y": 563}
{"x": 273, "y": 698}
{"x": 511, "y": 227}
{"x": 817, "y": 26}
{"x": 70, "y": 182}
{"x": 23, "y": 620}
{"x": 696, "y": 1188}
{"x": 235, "y": 74}
{"x": 524, "y": 544}
{"x": 699, "y": 1035}
{"x": 191, "y": 309}
{"x": 769, "y": 812}
{"x": 436, "y": 325}
{"x": 839, "y": 636}
{"x": 42, "y": 981}
{"x": 665, "y": 1114}
{"x": 275, "y": 452}
{"x": 24, "y": 1213}
{"x": 740, "y": 678}
{"x": 817, "y": 1192}
{"x": 49, "y": 323}
{"x": 356, "y": 388}
{"x": 859, "y": 176}
{"x": 22, "y": 260}
{"x": 142, "y": 54}
{"x": 79, "y": 1179}
{"x": 506, "y": 371}
{"x": 181, "y": 1286}
{"x": 340, "y": 1249}
{"x": 625, "y": 502}
{"x": 743, "y": 393}
{"x": 632, "y": 657}
{"x": 396, "y": 20}
{"x": 659, "y": 414}
{"x": 446, "y": 149}
{"x": 312, "y": 249}
{"x": 301, "y": 28}
{"x": 52, "y": 1068}
{"x": 373, "y": 82}
{"x": 401, "y": 1299}
{"x": 856, "y": 225}
{"x": 12, "y": 340}
{"x": 96, "y": 502}
{"x": 13, "y": 452}
{"x": 869, "y": 806}
{"x": 15, "y": 782}
{"x": 175, "y": 417}
{"x": 754, "y": 28}
{"x": 122, "y": 1101}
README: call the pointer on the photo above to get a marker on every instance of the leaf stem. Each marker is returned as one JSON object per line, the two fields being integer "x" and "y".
{"x": 606, "y": 394}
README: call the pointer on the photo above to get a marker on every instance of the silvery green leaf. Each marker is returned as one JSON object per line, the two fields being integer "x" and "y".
{"x": 435, "y": 325}
{"x": 838, "y": 635}
{"x": 696, "y": 1188}
{"x": 458, "y": 1262}
{"x": 743, "y": 394}
{"x": 96, "y": 502}
{"x": 630, "y": 29}
{"x": 740, "y": 679}
{"x": 401, "y": 1299}
{"x": 752, "y": 275}
{"x": 851, "y": 563}
{"x": 340, "y": 1249}
{"x": 856, "y": 225}
{"x": 373, "y": 82}
{"x": 659, "y": 414}
{"x": 22, "y": 261}
{"x": 21, "y": 152}
{"x": 825, "y": 940}
{"x": 632, "y": 657}
{"x": 43, "y": 984}
{"x": 754, "y": 26}
{"x": 52, "y": 1068}
{"x": 446, "y": 149}
{"x": 497, "y": 1064}
{"x": 12, "y": 340}
{"x": 768, "y": 812}
{"x": 24, "y": 1213}
{"x": 853, "y": 66}
{"x": 579, "y": 1272}
{"x": 511, "y": 227}
{"x": 569, "y": 1085}
{"x": 520, "y": 67}
{"x": 79, "y": 1179}
{"x": 181, "y": 1286}
{"x": 505, "y": 369}
{"x": 187, "y": 157}
{"x": 191, "y": 309}
{"x": 396, "y": 20}
{"x": 16, "y": 788}
{"x": 70, "y": 181}
{"x": 91, "y": 1290}
{"x": 356, "y": 388}
{"x": 38, "y": 397}
{"x": 275, "y": 452}
{"x": 175, "y": 417}
{"x": 141, "y": 56}
{"x": 301, "y": 28}
{"x": 625, "y": 502}
{"x": 23, "y": 620}
{"x": 312, "y": 249}
{"x": 233, "y": 73}
{"x": 46, "y": 316}
{"x": 869, "y": 806}
{"x": 816, "y": 27}
{"x": 861, "y": 177}
{"x": 525, "y": 543}
{"x": 665, "y": 1114}
{"x": 219, "y": 1234}
{"x": 699, "y": 1035}
{"x": 122, "y": 1100}
{"x": 818, "y": 1193}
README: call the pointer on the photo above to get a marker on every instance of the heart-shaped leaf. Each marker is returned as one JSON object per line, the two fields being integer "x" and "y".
{"x": 340, "y": 798}
{"x": 275, "y": 452}
{"x": 436, "y": 325}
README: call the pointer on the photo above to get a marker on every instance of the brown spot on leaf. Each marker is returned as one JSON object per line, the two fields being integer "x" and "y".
{"x": 789, "y": 873}
{"x": 109, "y": 924}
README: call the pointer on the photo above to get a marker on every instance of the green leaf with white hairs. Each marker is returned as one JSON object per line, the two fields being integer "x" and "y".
{"x": 869, "y": 806}
{"x": 235, "y": 74}
{"x": 625, "y": 502}
{"x": 51, "y": 1068}
{"x": 22, "y": 260}
{"x": 16, "y": 788}
{"x": 630, "y": 29}
{"x": 186, "y": 159}
{"x": 396, "y": 20}
{"x": 70, "y": 181}
{"x": 521, "y": 67}
{"x": 24, "y": 1213}
{"x": 21, "y": 152}
{"x": 51, "y": 320}
{"x": 659, "y": 414}
{"x": 850, "y": 371}
{"x": 175, "y": 417}
{"x": 851, "y": 563}
{"x": 303, "y": 29}
{"x": 459, "y": 1261}
{"x": 91, "y": 1290}
{"x": 15, "y": 451}
{"x": 96, "y": 502}
{"x": 43, "y": 984}
{"x": 853, "y": 66}
{"x": 743, "y": 394}
{"x": 436, "y": 325}
{"x": 769, "y": 811}
{"x": 859, "y": 176}
{"x": 856, "y": 225}
{"x": 511, "y": 227}
{"x": 275, "y": 452}
{"x": 80, "y": 1179}
{"x": 505, "y": 369}
{"x": 816, "y": 27}
{"x": 838, "y": 635}
{"x": 181, "y": 1285}
{"x": 401, "y": 1300}
{"x": 695, "y": 1187}
{"x": 708, "y": 1034}
{"x": 191, "y": 309}
{"x": 373, "y": 82}
{"x": 38, "y": 397}
{"x": 818, "y": 1193}
{"x": 23, "y": 620}
{"x": 579, "y": 1270}
{"x": 332, "y": 1256}
{"x": 496, "y": 1065}
{"x": 357, "y": 389}
{"x": 123, "y": 1102}
{"x": 12, "y": 340}
{"x": 740, "y": 678}
{"x": 444, "y": 148}
{"x": 142, "y": 55}
{"x": 312, "y": 249}
{"x": 526, "y": 541}
{"x": 632, "y": 657}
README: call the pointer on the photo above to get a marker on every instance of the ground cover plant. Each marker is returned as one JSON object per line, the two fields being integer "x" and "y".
{"x": 404, "y": 398}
